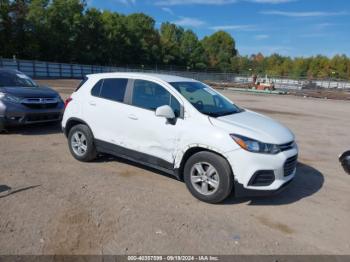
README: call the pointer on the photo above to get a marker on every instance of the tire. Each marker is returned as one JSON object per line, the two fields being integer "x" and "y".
{"x": 2, "y": 126}
{"x": 86, "y": 142}
{"x": 222, "y": 176}
{"x": 54, "y": 123}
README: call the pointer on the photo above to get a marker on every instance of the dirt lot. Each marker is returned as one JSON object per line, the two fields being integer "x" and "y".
{"x": 58, "y": 205}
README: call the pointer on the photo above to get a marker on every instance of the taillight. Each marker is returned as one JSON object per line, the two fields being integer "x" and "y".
{"x": 67, "y": 102}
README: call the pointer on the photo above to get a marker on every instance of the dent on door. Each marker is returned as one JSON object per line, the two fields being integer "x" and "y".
{"x": 161, "y": 142}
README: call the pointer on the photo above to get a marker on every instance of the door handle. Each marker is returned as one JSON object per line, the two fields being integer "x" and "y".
{"x": 133, "y": 117}
{"x": 92, "y": 103}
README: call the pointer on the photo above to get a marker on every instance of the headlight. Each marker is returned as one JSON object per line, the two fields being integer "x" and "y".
{"x": 58, "y": 98}
{"x": 9, "y": 98}
{"x": 255, "y": 146}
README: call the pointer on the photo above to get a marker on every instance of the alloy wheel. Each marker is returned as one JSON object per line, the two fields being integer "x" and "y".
{"x": 204, "y": 178}
{"x": 79, "y": 143}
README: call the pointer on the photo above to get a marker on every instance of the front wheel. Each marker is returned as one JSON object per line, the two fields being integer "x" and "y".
{"x": 81, "y": 143}
{"x": 2, "y": 126}
{"x": 208, "y": 177}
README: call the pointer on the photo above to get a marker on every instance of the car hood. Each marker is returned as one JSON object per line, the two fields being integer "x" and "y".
{"x": 255, "y": 126}
{"x": 29, "y": 92}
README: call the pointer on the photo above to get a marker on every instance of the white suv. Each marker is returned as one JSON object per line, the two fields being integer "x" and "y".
{"x": 182, "y": 127}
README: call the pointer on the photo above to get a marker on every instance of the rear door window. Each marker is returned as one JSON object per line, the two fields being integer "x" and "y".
{"x": 111, "y": 88}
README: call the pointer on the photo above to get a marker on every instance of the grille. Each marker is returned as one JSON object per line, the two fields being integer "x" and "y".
{"x": 262, "y": 178}
{"x": 40, "y": 103}
{"x": 287, "y": 146}
{"x": 290, "y": 165}
{"x": 32, "y": 118}
{"x": 41, "y": 106}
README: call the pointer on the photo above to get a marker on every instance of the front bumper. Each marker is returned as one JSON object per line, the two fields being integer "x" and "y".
{"x": 245, "y": 165}
{"x": 241, "y": 191}
{"x": 17, "y": 114}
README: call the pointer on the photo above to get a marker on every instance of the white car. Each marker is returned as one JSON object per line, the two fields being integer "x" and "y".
{"x": 182, "y": 127}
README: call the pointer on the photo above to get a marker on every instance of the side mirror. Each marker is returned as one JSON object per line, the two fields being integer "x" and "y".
{"x": 165, "y": 111}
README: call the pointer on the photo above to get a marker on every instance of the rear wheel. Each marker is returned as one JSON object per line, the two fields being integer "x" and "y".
{"x": 2, "y": 125}
{"x": 208, "y": 177}
{"x": 81, "y": 143}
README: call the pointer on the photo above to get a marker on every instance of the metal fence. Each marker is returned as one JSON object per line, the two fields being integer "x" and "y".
{"x": 40, "y": 69}
{"x": 301, "y": 83}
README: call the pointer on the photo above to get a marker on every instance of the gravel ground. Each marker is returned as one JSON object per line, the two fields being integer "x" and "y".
{"x": 52, "y": 204}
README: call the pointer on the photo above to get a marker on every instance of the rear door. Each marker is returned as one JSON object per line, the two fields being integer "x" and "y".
{"x": 106, "y": 111}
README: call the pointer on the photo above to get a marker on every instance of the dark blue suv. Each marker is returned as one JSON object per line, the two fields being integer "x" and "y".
{"x": 22, "y": 101}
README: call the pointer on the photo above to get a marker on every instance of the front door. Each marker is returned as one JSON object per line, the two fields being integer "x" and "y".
{"x": 155, "y": 137}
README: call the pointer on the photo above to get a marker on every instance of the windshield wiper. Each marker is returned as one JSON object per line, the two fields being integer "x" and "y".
{"x": 212, "y": 114}
{"x": 229, "y": 113}
{"x": 219, "y": 114}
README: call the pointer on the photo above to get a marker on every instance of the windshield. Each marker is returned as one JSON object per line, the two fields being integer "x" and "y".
{"x": 205, "y": 100}
{"x": 15, "y": 79}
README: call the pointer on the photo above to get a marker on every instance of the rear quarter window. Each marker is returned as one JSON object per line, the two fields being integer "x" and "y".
{"x": 82, "y": 82}
{"x": 96, "y": 90}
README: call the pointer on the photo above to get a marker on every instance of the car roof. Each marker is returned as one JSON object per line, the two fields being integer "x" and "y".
{"x": 10, "y": 71}
{"x": 164, "y": 77}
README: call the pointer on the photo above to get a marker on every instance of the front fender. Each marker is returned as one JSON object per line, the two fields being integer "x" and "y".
{"x": 182, "y": 152}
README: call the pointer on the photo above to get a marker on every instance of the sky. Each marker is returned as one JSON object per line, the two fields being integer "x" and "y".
{"x": 288, "y": 27}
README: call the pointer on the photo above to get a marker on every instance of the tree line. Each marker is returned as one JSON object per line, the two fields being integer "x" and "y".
{"x": 68, "y": 31}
